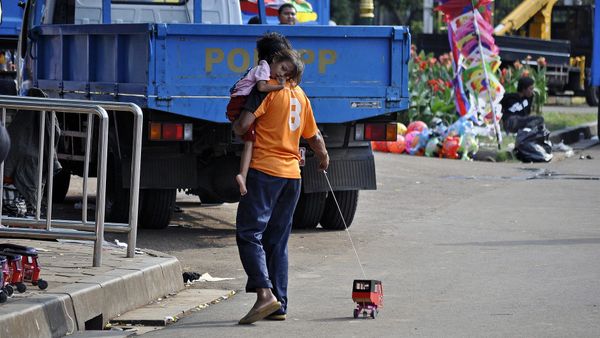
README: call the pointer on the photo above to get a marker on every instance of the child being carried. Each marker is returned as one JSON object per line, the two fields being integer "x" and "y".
{"x": 274, "y": 63}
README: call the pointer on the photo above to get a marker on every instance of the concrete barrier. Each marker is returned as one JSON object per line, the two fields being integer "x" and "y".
{"x": 77, "y": 301}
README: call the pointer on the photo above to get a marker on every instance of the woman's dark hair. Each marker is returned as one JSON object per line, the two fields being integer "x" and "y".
{"x": 284, "y": 6}
{"x": 296, "y": 60}
{"x": 269, "y": 44}
{"x": 524, "y": 83}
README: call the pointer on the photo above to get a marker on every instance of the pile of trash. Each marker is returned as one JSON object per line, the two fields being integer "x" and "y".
{"x": 457, "y": 141}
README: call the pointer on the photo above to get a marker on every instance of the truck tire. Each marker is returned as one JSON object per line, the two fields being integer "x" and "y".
{"x": 206, "y": 198}
{"x": 309, "y": 210}
{"x": 331, "y": 219}
{"x": 591, "y": 95}
{"x": 156, "y": 208}
{"x": 60, "y": 186}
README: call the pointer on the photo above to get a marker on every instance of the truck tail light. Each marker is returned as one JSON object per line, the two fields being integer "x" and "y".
{"x": 376, "y": 131}
{"x": 163, "y": 131}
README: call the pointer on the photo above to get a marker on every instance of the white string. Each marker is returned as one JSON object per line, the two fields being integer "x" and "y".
{"x": 345, "y": 226}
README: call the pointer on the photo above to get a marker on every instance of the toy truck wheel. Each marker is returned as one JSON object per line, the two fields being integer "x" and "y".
{"x": 9, "y": 290}
{"x": 348, "y": 200}
{"x": 309, "y": 210}
{"x": 3, "y": 297}
{"x": 21, "y": 287}
{"x": 42, "y": 284}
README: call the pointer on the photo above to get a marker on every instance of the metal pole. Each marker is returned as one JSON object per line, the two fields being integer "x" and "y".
{"x": 20, "y": 222}
{"x": 101, "y": 187}
{"x": 2, "y": 168}
{"x": 43, "y": 104}
{"x": 134, "y": 186}
{"x": 428, "y": 16}
{"x": 44, "y": 234}
{"x": 86, "y": 167}
{"x": 50, "y": 174}
{"x": 198, "y": 11}
{"x": 136, "y": 160}
{"x": 262, "y": 11}
{"x": 40, "y": 164}
{"x": 106, "y": 15}
{"x": 487, "y": 80}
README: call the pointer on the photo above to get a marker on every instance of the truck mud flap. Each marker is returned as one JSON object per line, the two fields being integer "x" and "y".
{"x": 349, "y": 169}
{"x": 165, "y": 171}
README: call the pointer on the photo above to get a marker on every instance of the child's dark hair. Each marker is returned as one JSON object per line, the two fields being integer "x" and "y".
{"x": 295, "y": 58}
{"x": 269, "y": 44}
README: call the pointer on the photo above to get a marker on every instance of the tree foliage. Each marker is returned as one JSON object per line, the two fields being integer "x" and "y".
{"x": 344, "y": 11}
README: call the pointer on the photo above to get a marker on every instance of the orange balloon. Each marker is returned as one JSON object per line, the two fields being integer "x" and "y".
{"x": 398, "y": 146}
{"x": 380, "y": 146}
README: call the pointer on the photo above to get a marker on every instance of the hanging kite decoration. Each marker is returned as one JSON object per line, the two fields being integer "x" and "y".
{"x": 475, "y": 60}
{"x": 304, "y": 10}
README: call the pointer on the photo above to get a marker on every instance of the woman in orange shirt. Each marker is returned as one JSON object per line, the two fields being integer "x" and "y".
{"x": 264, "y": 216}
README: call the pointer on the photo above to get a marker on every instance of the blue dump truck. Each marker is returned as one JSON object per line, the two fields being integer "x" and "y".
{"x": 177, "y": 60}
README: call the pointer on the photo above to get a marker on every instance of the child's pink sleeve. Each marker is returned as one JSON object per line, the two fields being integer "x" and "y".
{"x": 263, "y": 71}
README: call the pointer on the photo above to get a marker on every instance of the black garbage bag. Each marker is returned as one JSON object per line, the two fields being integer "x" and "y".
{"x": 533, "y": 145}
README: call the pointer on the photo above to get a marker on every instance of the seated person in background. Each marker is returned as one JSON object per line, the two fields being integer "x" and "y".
{"x": 287, "y": 14}
{"x": 516, "y": 108}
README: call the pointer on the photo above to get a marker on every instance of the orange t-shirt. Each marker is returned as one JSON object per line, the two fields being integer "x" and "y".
{"x": 281, "y": 119}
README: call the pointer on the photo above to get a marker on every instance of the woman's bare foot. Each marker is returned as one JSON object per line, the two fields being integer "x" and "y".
{"x": 264, "y": 297}
{"x": 241, "y": 181}
{"x": 266, "y": 303}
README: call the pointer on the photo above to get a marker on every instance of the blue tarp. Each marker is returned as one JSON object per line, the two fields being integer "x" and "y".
{"x": 596, "y": 52}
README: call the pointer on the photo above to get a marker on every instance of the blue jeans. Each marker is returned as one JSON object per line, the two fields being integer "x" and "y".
{"x": 263, "y": 226}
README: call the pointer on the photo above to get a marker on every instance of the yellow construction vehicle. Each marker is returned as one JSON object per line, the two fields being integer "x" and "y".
{"x": 540, "y": 28}
{"x": 538, "y": 13}
{"x": 541, "y": 19}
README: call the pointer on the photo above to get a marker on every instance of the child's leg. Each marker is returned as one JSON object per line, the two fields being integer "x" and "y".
{"x": 234, "y": 107}
{"x": 244, "y": 165}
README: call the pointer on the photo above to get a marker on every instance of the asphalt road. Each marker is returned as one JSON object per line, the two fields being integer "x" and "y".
{"x": 462, "y": 248}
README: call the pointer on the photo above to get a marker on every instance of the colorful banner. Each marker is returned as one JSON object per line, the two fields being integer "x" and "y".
{"x": 476, "y": 59}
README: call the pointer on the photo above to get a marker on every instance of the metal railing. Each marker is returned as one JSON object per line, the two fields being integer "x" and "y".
{"x": 82, "y": 229}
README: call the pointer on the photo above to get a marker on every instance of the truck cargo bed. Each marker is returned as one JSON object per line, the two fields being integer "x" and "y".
{"x": 187, "y": 69}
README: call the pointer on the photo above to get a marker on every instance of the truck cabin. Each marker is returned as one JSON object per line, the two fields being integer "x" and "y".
{"x": 142, "y": 11}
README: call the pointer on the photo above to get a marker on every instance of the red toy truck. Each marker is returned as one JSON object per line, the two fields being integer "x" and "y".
{"x": 368, "y": 296}
{"x": 31, "y": 267}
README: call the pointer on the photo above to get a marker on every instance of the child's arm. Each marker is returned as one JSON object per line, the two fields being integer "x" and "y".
{"x": 317, "y": 144}
{"x": 264, "y": 86}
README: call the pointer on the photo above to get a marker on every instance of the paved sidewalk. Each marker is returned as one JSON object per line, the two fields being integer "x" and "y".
{"x": 80, "y": 296}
